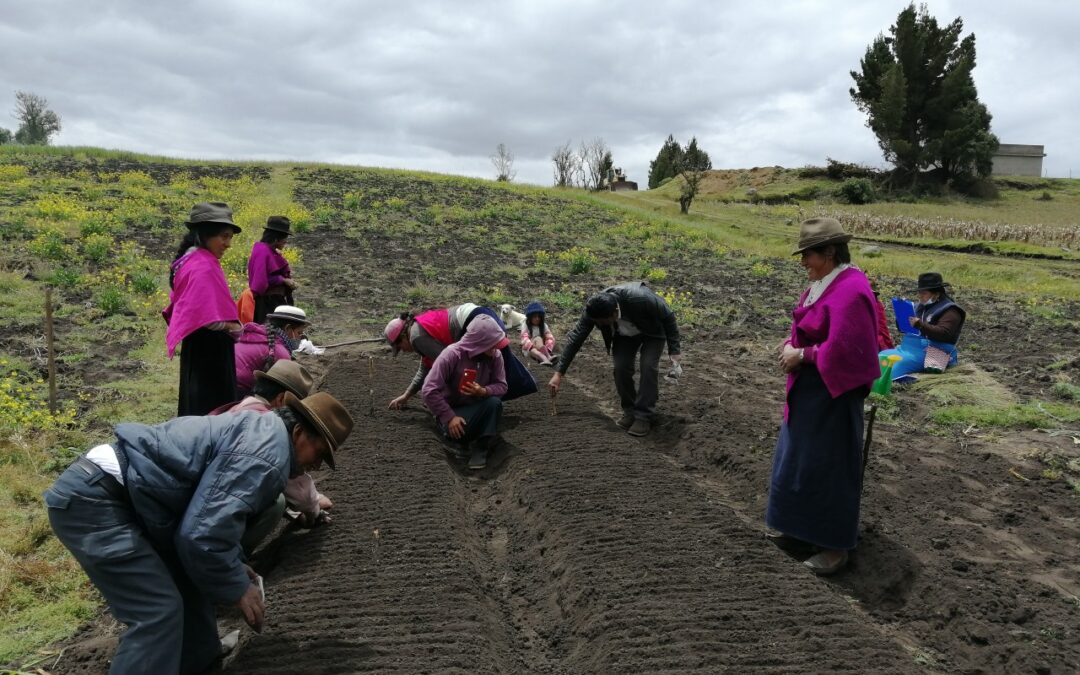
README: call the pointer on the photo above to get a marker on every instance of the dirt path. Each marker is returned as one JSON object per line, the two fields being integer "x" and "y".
{"x": 585, "y": 550}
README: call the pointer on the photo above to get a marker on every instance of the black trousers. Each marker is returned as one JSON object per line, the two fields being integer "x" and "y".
{"x": 207, "y": 372}
{"x": 264, "y": 304}
{"x": 639, "y": 401}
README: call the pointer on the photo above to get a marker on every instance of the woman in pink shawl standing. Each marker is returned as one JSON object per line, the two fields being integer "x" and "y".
{"x": 202, "y": 315}
{"x": 831, "y": 360}
{"x": 269, "y": 275}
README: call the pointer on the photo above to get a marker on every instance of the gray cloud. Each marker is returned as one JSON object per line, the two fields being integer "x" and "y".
{"x": 436, "y": 85}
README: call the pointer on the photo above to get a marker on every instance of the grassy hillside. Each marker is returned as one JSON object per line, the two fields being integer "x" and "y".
{"x": 99, "y": 228}
{"x": 1020, "y": 243}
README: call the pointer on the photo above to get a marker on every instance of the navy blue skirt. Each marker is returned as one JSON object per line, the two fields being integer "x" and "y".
{"x": 817, "y": 468}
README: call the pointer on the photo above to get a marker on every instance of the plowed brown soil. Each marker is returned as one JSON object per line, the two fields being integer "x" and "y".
{"x": 585, "y": 550}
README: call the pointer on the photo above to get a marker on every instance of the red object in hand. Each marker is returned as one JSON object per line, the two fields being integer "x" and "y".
{"x": 468, "y": 378}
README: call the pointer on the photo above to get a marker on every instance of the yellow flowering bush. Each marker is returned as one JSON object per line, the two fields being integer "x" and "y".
{"x": 12, "y": 173}
{"x": 59, "y": 207}
{"x": 581, "y": 260}
{"x": 23, "y": 407}
{"x": 682, "y": 303}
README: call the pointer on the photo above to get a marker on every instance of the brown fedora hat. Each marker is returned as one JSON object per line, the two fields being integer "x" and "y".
{"x": 289, "y": 374}
{"x": 212, "y": 212}
{"x": 820, "y": 231}
{"x": 327, "y": 416}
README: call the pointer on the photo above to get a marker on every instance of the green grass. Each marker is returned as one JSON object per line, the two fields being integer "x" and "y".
{"x": 771, "y": 231}
{"x": 1035, "y": 415}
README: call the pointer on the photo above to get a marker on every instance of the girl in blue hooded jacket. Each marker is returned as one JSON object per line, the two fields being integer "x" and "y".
{"x": 537, "y": 340}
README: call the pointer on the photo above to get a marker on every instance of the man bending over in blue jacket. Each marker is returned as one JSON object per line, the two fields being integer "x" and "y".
{"x": 156, "y": 518}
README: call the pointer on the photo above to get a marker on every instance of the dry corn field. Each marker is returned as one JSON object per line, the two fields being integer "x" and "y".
{"x": 949, "y": 228}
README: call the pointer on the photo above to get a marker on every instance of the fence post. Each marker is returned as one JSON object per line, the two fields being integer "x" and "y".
{"x": 50, "y": 350}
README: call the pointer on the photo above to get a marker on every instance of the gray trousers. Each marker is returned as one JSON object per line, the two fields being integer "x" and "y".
{"x": 639, "y": 402}
{"x": 172, "y": 627}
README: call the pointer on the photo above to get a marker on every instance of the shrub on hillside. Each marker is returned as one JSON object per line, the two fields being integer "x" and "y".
{"x": 979, "y": 188}
{"x": 112, "y": 300}
{"x": 98, "y": 247}
{"x": 837, "y": 170}
{"x": 856, "y": 191}
{"x": 51, "y": 245}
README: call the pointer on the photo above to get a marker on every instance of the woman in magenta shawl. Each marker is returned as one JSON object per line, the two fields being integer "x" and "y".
{"x": 269, "y": 275}
{"x": 831, "y": 361}
{"x": 202, "y": 315}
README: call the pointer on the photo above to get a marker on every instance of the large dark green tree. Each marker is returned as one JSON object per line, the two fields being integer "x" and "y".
{"x": 667, "y": 162}
{"x": 694, "y": 158}
{"x": 916, "y": 87}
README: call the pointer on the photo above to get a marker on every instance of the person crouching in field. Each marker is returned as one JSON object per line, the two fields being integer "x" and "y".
{"x": 202, "y": 316}
{"x": 155, "y": 519}
{"x": 537, "y": 340}
{"x": 463, "y": 388}
{"x": 271, "y": 388}
{"x": 261, "y": 345}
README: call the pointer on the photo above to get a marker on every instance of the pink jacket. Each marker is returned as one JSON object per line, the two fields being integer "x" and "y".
{"x": 200, "y": 296}
{"x": 266, "y": 268}
{"x": 527, "y": 332}
{"x": 251, "y": 352}
{"x": 440, "y": 390}
{"x": 838, "y": 334}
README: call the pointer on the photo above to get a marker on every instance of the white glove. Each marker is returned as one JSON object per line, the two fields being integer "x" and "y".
{"x": 675, "y": 372}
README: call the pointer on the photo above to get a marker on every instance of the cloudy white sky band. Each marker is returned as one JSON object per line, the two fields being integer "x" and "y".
{"x": 436, "y": 85}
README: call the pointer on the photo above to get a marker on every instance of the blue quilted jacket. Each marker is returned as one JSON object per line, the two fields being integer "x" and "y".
{"x": 195, "y": 481}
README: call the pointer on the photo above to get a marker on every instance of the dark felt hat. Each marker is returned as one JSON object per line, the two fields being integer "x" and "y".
{"x": 327, "y": 416}
{"x": 820, "y": 231}
{"x": 929, "y": 281}
{"x": 278, "y": 224}
{"x": 211, "y": 212}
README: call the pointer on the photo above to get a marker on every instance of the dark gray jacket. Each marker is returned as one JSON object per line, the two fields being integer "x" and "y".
{"x": 639, "y": 305}
{"x": 195, "y": 481}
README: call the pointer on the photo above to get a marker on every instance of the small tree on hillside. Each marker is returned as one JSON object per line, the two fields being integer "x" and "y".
{"x": 5, "y": 136}
{"x": 37, "y": 123}
{"x": 566, "y": 164}
{"x": 692, "y": 166}
{"x": 666, "y": 163}
{"x": 503, "y": 161}
{"x": 597, "y": 161}
{"x": 917, "y": 90}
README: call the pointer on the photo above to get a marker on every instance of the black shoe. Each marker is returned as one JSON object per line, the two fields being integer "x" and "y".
{"x": 626, "y": 421}
{"x": 640, "y": 427}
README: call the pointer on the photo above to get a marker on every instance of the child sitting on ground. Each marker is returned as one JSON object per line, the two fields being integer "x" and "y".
{"x": 537, "y": 340}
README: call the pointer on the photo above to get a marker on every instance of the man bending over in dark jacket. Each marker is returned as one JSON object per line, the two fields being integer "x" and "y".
{"x": 632, "y": 318}
{"x": 155, "y": 519}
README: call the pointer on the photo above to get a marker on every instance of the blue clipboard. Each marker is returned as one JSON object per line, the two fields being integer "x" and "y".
{"x": 904, "y": 310}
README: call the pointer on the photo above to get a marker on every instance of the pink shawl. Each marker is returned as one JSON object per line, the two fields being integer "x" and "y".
{"x": 200, "y": 296}
{"x": 843, "y": 326}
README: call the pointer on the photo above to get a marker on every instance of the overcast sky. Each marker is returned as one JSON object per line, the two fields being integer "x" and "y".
{"x": 436, "y": 85}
